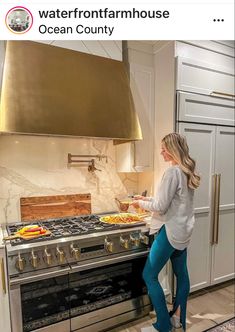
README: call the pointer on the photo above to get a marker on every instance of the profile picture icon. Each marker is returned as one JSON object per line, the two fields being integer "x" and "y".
{"x": 19, "y": 20}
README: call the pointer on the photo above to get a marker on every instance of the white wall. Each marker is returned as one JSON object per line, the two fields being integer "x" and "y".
{"x": 37, "y": 166}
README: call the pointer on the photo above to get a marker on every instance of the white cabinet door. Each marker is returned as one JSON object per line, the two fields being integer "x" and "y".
{"x": 205, "y": 109}
{"x": 4, "y": 295}
{"x": 223, "y": 250}
{"x": 199, "y": 253}
{"x": 213, "y": 149}
{"x": 225, "y": 47}
{"x": 201, "y": 141}
{"x": 224, "y": 164}
{"x": 202, "y": 77}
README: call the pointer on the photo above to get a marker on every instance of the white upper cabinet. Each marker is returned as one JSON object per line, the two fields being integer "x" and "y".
{"x": 107, "y": 48}
{"x": 225, "y": 47}
{"x": 205, "y": 109}
{"x": 204, "y": 77}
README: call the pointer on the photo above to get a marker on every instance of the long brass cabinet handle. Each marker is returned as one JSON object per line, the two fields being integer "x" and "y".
{"x": 3, "y": 276}
{"x": 213, "y": 206}
{"x": 222, "y": 94}
{"x": 217, "y": 203}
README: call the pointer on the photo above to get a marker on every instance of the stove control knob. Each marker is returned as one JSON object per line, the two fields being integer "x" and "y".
{"x": 75, "y": 252}
{"x": 135, "y": 240}
{"x": 144, "y": 239}
{"x": 34, "y": 260}
{"x": 108, "y": 245}
{"x": 60, "y": 255}
{"x": 124, "y": 242}
{"x": 47, "y": 257}
{"x": 20, "y": 263}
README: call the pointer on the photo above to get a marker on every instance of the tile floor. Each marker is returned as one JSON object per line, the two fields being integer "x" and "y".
{"x": 206, "y": 308}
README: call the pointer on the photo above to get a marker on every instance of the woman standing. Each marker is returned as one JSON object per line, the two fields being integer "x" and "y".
{"x": 173, "y": 219}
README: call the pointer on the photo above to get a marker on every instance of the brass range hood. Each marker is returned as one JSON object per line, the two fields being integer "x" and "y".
{"x": 48, "y": 90}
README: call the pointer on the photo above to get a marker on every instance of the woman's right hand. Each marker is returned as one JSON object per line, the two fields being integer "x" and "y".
{"x": 141, "y": 198}
{"x": 138, "y": 197}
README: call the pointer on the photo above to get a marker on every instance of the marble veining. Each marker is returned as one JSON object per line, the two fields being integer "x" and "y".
{"x": 37, "y": 166}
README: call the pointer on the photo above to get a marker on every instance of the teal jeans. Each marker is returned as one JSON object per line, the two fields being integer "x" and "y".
{"x": 160, "y": 252}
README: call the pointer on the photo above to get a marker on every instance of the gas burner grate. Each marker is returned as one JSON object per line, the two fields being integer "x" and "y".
{"x": 64, "y": 227}
{"x": 91, "y": 218}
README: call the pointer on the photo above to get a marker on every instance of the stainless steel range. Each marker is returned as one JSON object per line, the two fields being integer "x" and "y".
{"x": 85, "y": 276}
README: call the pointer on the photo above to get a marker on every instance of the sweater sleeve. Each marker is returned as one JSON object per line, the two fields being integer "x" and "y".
{"x": 165, "y": 194}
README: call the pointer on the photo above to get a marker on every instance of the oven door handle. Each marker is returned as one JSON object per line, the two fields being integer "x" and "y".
{"x": 109, "y": 261}
{"x": 45, "y": 275}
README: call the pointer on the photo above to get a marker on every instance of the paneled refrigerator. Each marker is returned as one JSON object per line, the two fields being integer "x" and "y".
{"x": 208, "y": 124}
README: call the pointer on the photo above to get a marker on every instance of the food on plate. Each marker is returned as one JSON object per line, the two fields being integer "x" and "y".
{"x": 31, "y": 230}
{"x": 121, "y": 218}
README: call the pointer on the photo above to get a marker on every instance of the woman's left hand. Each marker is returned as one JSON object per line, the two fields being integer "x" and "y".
{"x": 135, "y": 204}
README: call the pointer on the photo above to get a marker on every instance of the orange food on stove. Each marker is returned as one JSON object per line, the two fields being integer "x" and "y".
{"x": 36, "y": 229}
{"x": 122, "y": 218}
{"x": 32, "y": 233}
{"x": 31, "y": 230}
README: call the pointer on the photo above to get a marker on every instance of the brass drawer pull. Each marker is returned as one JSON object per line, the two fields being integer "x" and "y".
{"x": 217, "y": 200}
{"x": 222, "y": 94}
{"x": 213, "y": 206}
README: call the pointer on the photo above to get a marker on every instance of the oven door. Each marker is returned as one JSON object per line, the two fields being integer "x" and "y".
{"x": 105, "y": 293}
{"x": 40, "y": 302}
{"x": 89, "y": 296}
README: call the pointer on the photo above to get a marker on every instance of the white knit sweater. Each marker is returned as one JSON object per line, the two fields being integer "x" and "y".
{"x": 172, "y": 206}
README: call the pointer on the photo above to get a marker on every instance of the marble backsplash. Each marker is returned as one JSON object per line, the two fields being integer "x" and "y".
{"x": 37, "y": 166}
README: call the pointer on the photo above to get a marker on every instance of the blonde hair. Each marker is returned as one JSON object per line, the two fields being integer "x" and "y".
{"x": 177, "y": 147}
